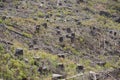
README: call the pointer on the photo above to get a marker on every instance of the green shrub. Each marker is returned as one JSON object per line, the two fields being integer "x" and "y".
{"x": 1, "y": 21}
{"x": 1, "y": 49}
{"x": 27, "y": 35}
{"x": 40, "y": 14}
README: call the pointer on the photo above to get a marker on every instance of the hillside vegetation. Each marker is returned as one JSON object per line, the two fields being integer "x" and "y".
{"x": 40, "y": 38}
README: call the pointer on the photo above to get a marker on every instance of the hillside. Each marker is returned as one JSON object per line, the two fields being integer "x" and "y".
{"x": 41, "y": 38}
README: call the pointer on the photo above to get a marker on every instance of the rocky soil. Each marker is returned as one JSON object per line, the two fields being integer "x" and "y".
{"x": 39, "y": 38}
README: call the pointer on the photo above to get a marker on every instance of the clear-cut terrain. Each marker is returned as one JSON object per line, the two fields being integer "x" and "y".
{"x": 60, "y": 39}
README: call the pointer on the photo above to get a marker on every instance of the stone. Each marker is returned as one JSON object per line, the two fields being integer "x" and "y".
{"x": 79, "y": 68}
{"x": 18, "y": 51}
{"x": 57, "y": 76}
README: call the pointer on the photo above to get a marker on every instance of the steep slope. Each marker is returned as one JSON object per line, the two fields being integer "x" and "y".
{"x": 87, "y": 32}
